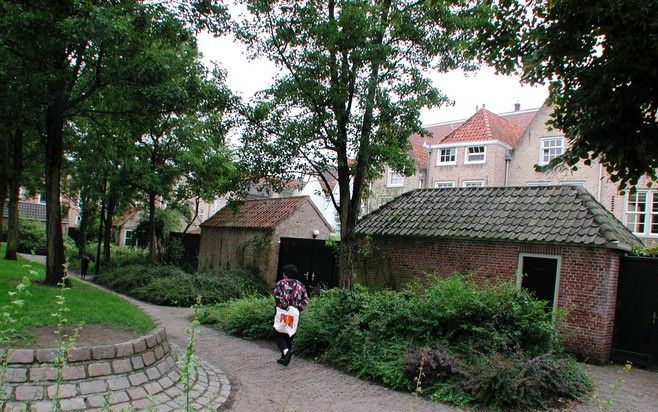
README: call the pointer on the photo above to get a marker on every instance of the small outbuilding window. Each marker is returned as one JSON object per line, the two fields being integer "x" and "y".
{"x": 475, "y": 154}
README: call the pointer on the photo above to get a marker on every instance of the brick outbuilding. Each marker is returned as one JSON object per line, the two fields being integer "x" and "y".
{"x": 247, "y": 235}
{"x": 557, "y": 241}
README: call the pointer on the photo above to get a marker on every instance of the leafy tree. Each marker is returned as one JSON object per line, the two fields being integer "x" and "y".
{"x": 74, "y": 50}
{"x": 350, "y": 90}
{"x": 600, "y": 59}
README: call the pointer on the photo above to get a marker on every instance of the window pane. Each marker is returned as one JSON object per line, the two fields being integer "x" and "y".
{"x": 447, "y": 155}
{"x": 551, "y": 148}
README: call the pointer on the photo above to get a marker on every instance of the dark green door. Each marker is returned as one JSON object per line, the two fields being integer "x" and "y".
{"x": 540, "y": 277}
{"x": 636, "y": 317}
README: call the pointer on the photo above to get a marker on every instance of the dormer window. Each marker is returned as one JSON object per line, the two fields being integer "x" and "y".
{"x": 549, "y": 149}
{"x": 475, "y": 154}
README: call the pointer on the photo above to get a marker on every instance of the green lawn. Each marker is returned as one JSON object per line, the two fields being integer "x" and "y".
{"x": 88, "y": 305}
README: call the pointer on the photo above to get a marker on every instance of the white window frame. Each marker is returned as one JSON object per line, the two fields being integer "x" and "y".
{"x": 125, "y": 235}
{"x": 474, "y": 162}
{"x": 542, "y": 141}
{"x": 465, "y": 182}
{"x": 649, "y": 215}
{"x": 453, "y": 150}
{"x": 437, "y": 185}
{"x": 519, "y": 274}
{"x": 537, "y": 183}
{"x": 572, "y": 183}
{"x": 42, "y": 202}
{"x": 389, "y": 181}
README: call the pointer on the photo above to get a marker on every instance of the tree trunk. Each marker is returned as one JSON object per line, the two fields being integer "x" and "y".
{"x": 346, "y": 259}
{"x": 196, "y": 214}
{"x": 151, "y": 228}
{"x": 107, "y": 234}
{"x": 14, "y": 196}
{"x": 55, "y": 259}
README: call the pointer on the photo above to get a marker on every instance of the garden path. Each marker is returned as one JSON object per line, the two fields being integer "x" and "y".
{"x": 258, "y": 383}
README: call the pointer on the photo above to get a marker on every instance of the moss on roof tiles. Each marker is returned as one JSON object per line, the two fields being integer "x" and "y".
{"x": 547, "y": 214}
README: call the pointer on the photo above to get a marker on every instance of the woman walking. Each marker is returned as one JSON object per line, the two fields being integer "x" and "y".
{"x": 288, "y": 292}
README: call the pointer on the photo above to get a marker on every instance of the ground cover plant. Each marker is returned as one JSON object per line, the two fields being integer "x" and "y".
{"x": 88, "y": 305}
{"x": 454, "y": 341}
{"x": 170, "y": 285}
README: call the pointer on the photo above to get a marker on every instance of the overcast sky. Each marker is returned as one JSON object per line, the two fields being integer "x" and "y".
{"x": 498, "y": 93}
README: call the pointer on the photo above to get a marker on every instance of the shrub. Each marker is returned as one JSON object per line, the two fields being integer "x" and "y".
{"x": 181, "y": 290}
{"x": 250, "y": 317}
{"x": 127, "y": 279}
{"x": 31, "y": 236}
{"x": 516, "y": 381}
{"x": 470, "y": 345}
{"x": 170, "y": 285}
{"x": 127, "y": 255}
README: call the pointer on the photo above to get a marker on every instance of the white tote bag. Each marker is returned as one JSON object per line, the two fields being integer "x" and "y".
{"x": 285, "y": 321}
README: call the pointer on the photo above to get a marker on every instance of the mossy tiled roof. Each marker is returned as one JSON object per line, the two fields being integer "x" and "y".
{"x": 256, "y": 213}
{"x": 550, "y": 214}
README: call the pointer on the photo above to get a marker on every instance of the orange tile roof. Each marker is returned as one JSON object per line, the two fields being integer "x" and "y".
{"x": 439, "y": 131}
{"x": 256, "y": 213}
{"x": 420, "y": 154}
{"x": 485, "y": 125}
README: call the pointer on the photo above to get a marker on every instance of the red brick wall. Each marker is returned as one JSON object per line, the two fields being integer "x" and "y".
{"x": 588, "y": 278}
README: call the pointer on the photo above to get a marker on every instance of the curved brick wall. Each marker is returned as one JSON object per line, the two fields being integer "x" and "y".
{"x": 130, "y": 370}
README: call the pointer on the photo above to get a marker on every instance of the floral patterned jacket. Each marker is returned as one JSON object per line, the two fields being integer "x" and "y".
{"x": 290, "y": 292}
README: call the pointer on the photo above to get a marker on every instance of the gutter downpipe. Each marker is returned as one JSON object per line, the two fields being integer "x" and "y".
{"x": 508, "y": 158}
{"x": 598, "y": 197}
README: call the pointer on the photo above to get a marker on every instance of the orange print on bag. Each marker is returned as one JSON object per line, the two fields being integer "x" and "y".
{"x": 287, "y": 320}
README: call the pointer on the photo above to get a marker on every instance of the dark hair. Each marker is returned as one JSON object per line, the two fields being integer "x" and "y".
{"x": 290, "y": 271}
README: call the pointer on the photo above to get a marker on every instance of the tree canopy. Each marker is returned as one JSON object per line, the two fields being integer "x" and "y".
{"x": 79, "y": 55}
{"x": 599, "y": 58}
{"x": 350, "y": 90}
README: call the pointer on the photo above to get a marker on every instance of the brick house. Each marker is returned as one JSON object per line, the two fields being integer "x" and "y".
{"x": 476, "y": 154}
{"x": 248, "y": 235}
{"x": 566, "y": 245}
{"x": 393, "y": 184}
{"x": 539, "y": 144}
{"x": 452, "y": 139}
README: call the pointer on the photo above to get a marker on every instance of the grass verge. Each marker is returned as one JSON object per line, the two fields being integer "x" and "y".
{"x": 88, "y": 305}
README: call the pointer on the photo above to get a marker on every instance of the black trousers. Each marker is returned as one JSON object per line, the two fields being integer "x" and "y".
{"x": 283, "y": 341}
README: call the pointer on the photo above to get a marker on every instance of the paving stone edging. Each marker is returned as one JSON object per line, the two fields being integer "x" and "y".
{"x": 141, "y": 373}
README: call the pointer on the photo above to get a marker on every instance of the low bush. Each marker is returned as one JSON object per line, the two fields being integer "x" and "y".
{"x": 126, "y": 255}
{"x": 170, "y": 285}
{"x": 31, "y": 236}
{"x": 127, "y": 279}
{"x": 250, "y": 317}
{"x": 492, "y": 345}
